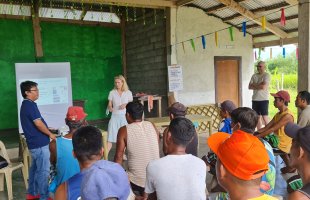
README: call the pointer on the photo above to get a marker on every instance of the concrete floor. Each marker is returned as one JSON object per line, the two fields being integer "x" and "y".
{"x": 19, "y": 189}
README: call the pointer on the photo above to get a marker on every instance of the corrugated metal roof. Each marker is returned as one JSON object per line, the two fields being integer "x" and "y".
{"x": 289, "y": 25}
{"x": 101, "y": 17}
{"x": 10, "y": 9}
{"x": 60, "y": 13}
{"x": 227, "y": 12}
{"x": 206, "y": 4}
{"x": 254, "y": 4}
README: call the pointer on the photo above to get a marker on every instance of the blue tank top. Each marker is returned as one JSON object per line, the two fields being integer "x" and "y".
{"x": 66, "y": 164}
{"x": 74, "y": 187}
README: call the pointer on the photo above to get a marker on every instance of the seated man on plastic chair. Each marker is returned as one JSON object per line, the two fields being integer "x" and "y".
{"x": 61, "y": 149}
{"x": 274, "y": 130}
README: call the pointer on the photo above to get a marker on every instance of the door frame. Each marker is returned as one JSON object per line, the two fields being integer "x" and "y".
{"x": 221, "y": 58}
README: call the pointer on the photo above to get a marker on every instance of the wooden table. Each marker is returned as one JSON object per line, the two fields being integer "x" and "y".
{"x": 165, "y": 121}
{"x": 155, "y": 98}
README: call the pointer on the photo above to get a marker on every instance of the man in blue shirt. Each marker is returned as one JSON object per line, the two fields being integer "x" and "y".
{"x": 37, "y": 137}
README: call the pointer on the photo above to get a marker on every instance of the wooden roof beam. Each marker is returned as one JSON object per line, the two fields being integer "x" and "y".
{"x": 257, "y": 10}
{"x": 136, "y": 3}
{"x": 273, "y": 21}
{"x": 268, "y": 33}
{"x": 220, "y": 7}
{"x": 292, "y": 2}
{"x": 284, "y": 41}
{"x": 250, "y": 15}
{"x": 183, "y": 2}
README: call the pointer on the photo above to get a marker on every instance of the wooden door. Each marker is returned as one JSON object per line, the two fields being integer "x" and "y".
{"x": 228, "y": 79}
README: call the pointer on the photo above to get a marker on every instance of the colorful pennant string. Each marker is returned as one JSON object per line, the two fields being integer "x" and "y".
{"x": 216, "y": 39}
{"x": 283, "y": 19}
{"x": 193, "y": 45}
{"x": 263, "y": 23}
{"x": 231, "y": 33}
{"x": 203, "y": 41}
{"x": 270, "y": 53}
{"x": 283, "y": 52}
{"x": 244, "y": 28}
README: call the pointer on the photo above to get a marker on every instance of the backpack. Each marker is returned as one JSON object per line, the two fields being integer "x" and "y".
{"x": 3, "y": 162}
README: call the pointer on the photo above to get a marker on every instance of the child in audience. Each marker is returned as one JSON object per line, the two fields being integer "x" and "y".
{"x": 226, "y": 108}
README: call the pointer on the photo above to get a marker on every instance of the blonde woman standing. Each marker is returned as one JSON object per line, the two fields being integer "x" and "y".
{"x": 118, "y": 99}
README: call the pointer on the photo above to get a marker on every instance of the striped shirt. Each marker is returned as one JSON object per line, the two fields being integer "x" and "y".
{"x": 142, "y": 147}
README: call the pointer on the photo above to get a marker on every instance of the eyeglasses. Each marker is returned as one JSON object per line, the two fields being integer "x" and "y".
{"x": 259, "y": 66}
{"x": 33, "y": 90}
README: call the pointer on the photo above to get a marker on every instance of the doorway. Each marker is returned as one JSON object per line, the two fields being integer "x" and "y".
{"x": 228, "y": 84}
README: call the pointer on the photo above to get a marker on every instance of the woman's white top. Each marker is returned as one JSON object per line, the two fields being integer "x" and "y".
{"x": 118, "y": 100}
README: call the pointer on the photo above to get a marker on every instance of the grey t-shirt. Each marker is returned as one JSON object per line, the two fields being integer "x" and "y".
{"x": 260, "y": 95}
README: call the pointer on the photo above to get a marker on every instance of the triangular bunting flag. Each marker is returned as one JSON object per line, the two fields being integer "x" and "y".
{"x": 244, "y": 28}
{"x": 283, "y": 20}
{"x": 193, "y": 45}
{"x": 203, "y": 41}
{"x": 183, "y": 47}
{"x": 263, "y": 23}
{"x": 270, "y": 53}
{"x": 216, "y": 39}
{"x": 231, "y": 33}
{"x": 283, "y": 52}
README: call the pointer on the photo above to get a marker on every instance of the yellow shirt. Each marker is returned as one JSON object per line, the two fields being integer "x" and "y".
{"x": 285, "y": 142}
{"x": 264, "y": 197}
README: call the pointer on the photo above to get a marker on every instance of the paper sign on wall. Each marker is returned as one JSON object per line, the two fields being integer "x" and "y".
{"x": 175, "y": 77}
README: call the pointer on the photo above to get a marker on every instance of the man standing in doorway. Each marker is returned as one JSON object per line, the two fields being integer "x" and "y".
{"x": 260, "y": 100}
{"x": 38, "y": 138}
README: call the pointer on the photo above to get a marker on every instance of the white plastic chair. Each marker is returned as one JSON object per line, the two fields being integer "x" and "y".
{"x": 105, "y": 144}
{"x": 7, "y": 172}
{"x": 26, "y": 158}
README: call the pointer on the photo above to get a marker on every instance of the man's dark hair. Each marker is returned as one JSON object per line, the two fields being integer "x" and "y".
{"x": 87, "y": 142}
{"x": 304, "y": 95}
{"x": 182, "y": 131}
{"x": 135, "y": 110}
{"x": 246, "y": 117}
{"x": 74, "y": 125}
{"x": 26, "y": 86}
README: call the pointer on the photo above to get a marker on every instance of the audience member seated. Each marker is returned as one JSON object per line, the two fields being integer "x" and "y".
{"x": 226, "y": 107}
{"x": 225, "y": 111}
{"x": 302, "y": 102}
{"x": 61, "y": 149}
{"x": 274, "y": 130}
{"x": 244, "y": 120}
{"x": 179, "y": 110}
{"x": 242, "y": 161}
{"x": 140, "y": 138}
{"x": 300, "y": 158}
{"x": 88, "y": 149}
{"x": 178, "y": 175}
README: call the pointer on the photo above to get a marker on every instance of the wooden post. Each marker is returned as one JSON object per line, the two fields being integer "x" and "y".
{"x": 123, "y": 30}
{"x": 37, "y": 30}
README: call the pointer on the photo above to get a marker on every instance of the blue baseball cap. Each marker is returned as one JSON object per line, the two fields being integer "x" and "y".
{"x": 105, "y": 179}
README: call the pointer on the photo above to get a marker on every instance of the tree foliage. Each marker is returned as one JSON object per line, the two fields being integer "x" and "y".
{"x": 279, "y": 65}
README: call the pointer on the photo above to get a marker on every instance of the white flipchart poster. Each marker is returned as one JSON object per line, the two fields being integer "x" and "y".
{"x": 175, "y": 77}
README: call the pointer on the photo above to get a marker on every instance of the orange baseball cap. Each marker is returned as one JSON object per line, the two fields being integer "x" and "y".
{"x": 241, "y": 153}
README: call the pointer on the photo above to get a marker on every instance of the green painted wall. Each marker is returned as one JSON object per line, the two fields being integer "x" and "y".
{"x": 93, "y": 52}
